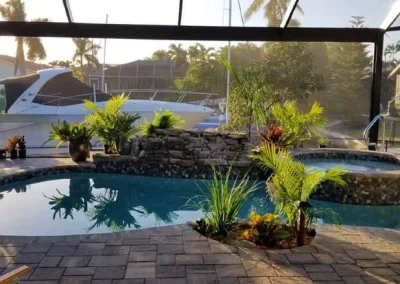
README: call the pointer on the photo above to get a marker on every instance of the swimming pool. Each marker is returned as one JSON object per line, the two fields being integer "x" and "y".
{"x": 67, "y": 204}
{"x": 351, "y": 165}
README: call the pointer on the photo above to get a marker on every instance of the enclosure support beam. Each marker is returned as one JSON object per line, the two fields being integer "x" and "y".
{"x": 289, "y": 13}
{"x": 180, "y": 13}
{"x": 71, "y": 30}
{"x": 376, "y": 87}
{"x": 391, "y": 16}
{"x": 68, "y": 11}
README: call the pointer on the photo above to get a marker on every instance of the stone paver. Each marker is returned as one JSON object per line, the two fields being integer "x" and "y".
{"x": 90, "y": 249}
{"x": 110, "y": 260}
{"x": 75, "y": 261}
{"x": 170, "y": 272}
{"x": 233, "y": 270}
{"x": 47, "y": 274}
{"x": 111, "y": 272}
{"x": 142, "y": 256}
{"x": 115, "y": 250}
{"x": 177, "y": 254}
{"x": 50, "y": 261}
{"x": 76, "y": 280}
{"x": 141, "y": 270}
{"x": 62, "y": 250}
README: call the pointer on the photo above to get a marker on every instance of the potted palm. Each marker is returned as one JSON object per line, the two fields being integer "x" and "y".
{"x": 78, "y": 137}
{"x": 323, "y": 142}
{"x": 11, "y": 147}
{"x": 291, "y": 185}
{"x": 21, "y": 147}
{"x": 111, "y": 125}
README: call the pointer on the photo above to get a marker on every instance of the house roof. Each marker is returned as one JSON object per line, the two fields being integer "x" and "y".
{"x": 29, "y": 64}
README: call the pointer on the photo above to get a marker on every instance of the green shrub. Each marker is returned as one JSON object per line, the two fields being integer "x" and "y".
{"x": 162, "y": 120}
{"x": 221, "y": 202}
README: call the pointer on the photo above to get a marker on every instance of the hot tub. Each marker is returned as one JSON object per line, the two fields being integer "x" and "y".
{"x": 373, "y": 177}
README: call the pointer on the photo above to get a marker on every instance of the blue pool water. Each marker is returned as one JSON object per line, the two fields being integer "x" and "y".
{"x": 351, "y": 165}
{"x": 97, "y": 203}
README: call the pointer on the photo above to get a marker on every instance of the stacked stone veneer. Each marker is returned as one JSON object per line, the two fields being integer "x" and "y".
{"x": 184, "y": 153}
{"x": 374, "y": 188}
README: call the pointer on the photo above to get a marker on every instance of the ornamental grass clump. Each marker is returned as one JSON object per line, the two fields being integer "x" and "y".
{"x": 221, "y": 202}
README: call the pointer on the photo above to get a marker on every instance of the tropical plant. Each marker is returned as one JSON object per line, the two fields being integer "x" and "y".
{"x": 291, "y": 181}
{"x": 110, "y": 123}
{"x": 162, "y": 120}
{"x": 272, "y": 134}
{"x": 14, "y": 10}
{"x": 298, "y": 126}
{"x": 75, "y": 133}
{"x": 265, "y": 229}
{"x": 274, "y": 10}
{"x": 85, "y": 50}
{"x": 221, "y": 202}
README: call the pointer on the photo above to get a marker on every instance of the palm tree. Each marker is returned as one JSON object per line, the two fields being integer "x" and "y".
{"x": 274, "y": 10}
{"x": 178, "y": 54}
{"x": 14, "y": 10}
{"x": 61, "y": 63}
{"x": 205, "y": 54}
{"x": 292, "y": 182}
{"x": 391, "y": 49}
{"x": 85, "y": 50}
{"x": 162, "y": 55}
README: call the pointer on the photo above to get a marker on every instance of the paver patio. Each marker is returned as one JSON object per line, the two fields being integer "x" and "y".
{"x": 177, "y": 254}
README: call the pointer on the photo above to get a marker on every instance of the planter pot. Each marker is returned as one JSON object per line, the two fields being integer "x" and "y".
{"x": 13, "y": 154}
{"x": 124, "y": 147}
{"x": 22, "y": 154}
{"x": 322, "y": 146}
{"x": 3, "y": 154}
{"x": 79, "y": 152}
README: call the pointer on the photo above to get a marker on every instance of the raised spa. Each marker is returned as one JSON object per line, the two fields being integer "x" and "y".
{"x": 372, "y": 177}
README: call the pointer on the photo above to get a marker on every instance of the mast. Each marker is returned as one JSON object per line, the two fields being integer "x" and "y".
{"x": 228, "y": 74}
{"x": 104, "y": 60}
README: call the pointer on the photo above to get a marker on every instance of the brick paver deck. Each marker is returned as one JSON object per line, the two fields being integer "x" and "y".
{"x": 177, "y": 254}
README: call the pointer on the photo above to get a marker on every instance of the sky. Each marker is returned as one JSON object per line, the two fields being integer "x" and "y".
{"x": 326, "y": 13}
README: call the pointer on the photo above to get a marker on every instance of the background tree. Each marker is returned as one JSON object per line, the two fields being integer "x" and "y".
{"x": 61, "y": 63}
{"x": 161, "y": 55}
{"x": 350, "y": 80}
{"x": 274, "y": 10}
{"x": 178, "y": 54}
{"x": 14, "y": 10}
{"x": 85, "y": 50}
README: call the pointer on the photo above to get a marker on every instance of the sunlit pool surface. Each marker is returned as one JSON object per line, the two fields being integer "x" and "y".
{"x": 98, "y": 203}
{"x": 351, "y": 165}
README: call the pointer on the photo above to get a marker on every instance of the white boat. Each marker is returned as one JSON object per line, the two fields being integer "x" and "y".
{"x": 29, "y": 104}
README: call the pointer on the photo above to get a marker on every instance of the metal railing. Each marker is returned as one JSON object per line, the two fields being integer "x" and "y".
{"x": 377, "y": 119}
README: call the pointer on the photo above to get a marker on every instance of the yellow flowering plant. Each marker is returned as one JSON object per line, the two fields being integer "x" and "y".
{"x": 264, "y": 229}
